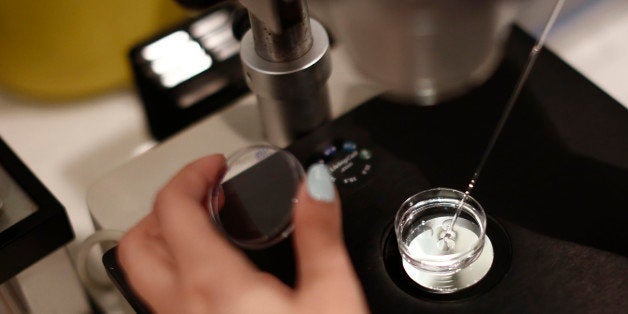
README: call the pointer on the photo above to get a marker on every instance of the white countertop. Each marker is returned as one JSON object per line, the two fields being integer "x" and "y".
{"x": 97, "y": 143}
{"x": 68, "y": 147}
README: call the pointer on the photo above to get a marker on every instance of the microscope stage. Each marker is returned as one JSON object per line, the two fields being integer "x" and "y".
{"x": 554, "y": 188}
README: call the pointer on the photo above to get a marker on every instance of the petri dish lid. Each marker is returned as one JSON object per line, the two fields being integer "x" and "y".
{"x": 254, "y": 201}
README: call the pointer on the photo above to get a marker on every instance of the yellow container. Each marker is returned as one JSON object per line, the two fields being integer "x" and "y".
{"x": 65, "y": 49}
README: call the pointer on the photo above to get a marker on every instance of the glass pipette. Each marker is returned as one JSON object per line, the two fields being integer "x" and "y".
{"x": 536, "y": 49}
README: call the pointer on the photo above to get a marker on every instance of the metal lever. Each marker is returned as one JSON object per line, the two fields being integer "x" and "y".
{"x": 287, "y": 69}
{"x": 285, "y": 57}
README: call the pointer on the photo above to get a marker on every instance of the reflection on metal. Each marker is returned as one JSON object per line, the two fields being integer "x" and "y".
{"x": 221, "y": 43}
{"x": 176, "y": 58}
{"x": 157, "y": 49}
{"x": 179, "y": 56}
{"x": 215, "y": 34}
{"x": 209, "y": 23}
{"x": 466, "y": 277}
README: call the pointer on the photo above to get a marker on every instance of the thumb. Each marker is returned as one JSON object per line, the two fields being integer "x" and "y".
{"x": 322, "y": 258}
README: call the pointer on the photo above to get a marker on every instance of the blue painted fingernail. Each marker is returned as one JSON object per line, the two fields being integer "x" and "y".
{"x": 319, "y": 183}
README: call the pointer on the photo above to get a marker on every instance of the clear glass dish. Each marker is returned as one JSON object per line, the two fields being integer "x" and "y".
{"x": 253, "y": 204}
{"x": 435, "y": 257}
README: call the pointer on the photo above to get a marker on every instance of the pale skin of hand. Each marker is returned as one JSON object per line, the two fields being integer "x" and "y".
{"x": 178, "y": 262}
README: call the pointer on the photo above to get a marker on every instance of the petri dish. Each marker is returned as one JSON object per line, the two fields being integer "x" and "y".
{"x": 253, "y": 204}
{"x": 436, "y": 259}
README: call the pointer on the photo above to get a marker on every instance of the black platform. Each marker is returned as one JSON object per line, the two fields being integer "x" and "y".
{"x": 557, "y": 181}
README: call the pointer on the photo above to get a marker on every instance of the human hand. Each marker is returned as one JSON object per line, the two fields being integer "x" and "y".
{"x": 178, "y": 262}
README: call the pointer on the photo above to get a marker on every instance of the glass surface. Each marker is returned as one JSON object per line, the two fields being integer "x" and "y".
{"x": 15, "y": 204}
{"x": 434, "y": 256}
{"x": 253, "y": 204}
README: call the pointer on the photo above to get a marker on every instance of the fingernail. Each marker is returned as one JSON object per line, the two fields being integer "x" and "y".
{"x": 319, "y": 184}
{"x": 219, "y": 178}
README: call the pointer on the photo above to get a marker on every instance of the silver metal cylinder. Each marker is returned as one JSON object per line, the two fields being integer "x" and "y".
{"x": 294, "y": 39}
{"x": 423, "y": 50}
{"x": 292, "y": 96}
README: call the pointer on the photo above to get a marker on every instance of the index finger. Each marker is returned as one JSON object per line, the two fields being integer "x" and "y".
{"x": 185, "y": 224}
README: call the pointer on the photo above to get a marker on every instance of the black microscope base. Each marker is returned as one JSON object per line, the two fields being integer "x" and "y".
{"x": 556, "y": 182}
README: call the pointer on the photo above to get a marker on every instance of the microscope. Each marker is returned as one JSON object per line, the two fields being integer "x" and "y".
{"x": 550, "y": 189}
{"x": 419, "y": 51}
